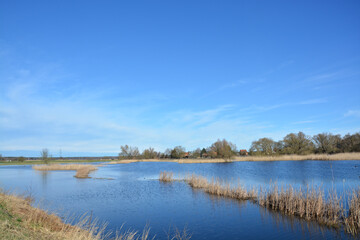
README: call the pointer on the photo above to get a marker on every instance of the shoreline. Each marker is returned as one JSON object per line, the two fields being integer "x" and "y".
{"x": 315, "y": 157}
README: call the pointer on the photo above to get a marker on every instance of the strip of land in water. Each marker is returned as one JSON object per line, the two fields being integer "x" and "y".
{"x": 82, "y": 170}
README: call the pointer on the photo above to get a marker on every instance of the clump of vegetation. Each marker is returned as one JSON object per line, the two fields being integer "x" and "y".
{"x": 166, "y": 176}
{"x": 308, "y": 203}
{"x": 83, "y": 170}
{"x": 220, "y": 188}
{"x": 352, "y": 221}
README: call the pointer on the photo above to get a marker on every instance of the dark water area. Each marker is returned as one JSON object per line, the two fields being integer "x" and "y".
{"x": 135, "y": 198}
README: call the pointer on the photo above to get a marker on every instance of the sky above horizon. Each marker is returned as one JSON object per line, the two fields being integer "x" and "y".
{"x": 88, "y": 76}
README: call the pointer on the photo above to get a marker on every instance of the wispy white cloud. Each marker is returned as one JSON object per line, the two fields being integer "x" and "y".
{"x": 352, "y": 113}
{"x": 304, "y": 122}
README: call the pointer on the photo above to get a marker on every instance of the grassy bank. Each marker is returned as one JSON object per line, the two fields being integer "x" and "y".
{"x": 82, "y": 170}
{"x": 21, "y": 221}
{"x": 309, "y": 203}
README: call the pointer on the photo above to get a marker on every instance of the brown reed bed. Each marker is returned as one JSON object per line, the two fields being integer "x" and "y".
{"x": 220, "y": 188}
{"x": 82, "y": 170}
{"x": 307, "y": 203}
{"x": 166, "y": 176}
{"x": 352, "y": 220}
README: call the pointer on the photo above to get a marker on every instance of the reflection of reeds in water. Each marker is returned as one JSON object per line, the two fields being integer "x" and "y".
{"x": 352, "y": 221}
{"x": 310, "y": 228}
{"x": 309, "y": 203}
{"x": 82, "y": 170}
{"x": 166, "y": 177}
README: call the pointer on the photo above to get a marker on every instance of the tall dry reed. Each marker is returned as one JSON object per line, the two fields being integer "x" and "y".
{"x": 352, "y": 220}
{"x": 308, "y": 203}
{"x": 220, "y": 188}
{"x": 166, "y": 176}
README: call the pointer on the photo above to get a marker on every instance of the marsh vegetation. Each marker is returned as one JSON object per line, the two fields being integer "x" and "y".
{"x": 308, "y": 203}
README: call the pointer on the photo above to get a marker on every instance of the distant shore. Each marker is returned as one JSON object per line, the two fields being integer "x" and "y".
{"x": 325, "y": 157}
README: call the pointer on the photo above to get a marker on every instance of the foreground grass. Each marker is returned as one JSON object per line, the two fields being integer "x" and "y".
{"x": 308, "y": 203}
{"x": 82, "y": 170}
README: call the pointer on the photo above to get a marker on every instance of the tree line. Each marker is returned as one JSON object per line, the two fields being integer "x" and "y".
{"x": 219, "y": 149}
{"x": 301, "y": 144}
{"x": 293, "y": 143}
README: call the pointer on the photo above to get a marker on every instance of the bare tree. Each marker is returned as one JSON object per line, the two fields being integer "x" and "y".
{"x": 45, "y": 155}
{"x": 129, "y": 152}
{"x": 149, "y": 153}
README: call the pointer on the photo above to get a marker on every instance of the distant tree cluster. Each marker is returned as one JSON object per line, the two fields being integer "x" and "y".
{"x": 219, "y": 149}
{"x": 299, "y": 143}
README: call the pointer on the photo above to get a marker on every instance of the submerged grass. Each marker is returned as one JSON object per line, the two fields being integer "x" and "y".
{"x": 308, "y": 203}
{"x": 82, "y": 170}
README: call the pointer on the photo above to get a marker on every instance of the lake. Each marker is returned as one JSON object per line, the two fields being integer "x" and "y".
{"x": 135, "y": 197}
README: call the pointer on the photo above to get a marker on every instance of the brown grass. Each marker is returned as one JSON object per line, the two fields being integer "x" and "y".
{"x": 19, "y": 220}
{"x": 166, "y": 176}
{"x": 220, "y": 188}
{"x": 338, "y": 156}
{"x": 82, "y": 170}
{"x": 309, "y": 203}
{"x": 352, "y": 221}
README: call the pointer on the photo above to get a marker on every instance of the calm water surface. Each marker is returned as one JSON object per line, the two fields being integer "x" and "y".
{"x": 135, "y": 197}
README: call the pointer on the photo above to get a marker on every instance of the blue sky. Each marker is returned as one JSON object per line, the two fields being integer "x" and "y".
{"x": 89, "y": 76}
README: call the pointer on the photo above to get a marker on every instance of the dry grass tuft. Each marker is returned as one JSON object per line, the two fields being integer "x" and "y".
{"x": 352, "y": 220}
{"x": 83, "y": 170}
{"x": 308, "y": 203}
{"x": 166, "y": 176}
{"x": 19, "y": 220}
{"x": 220, "y": 188}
